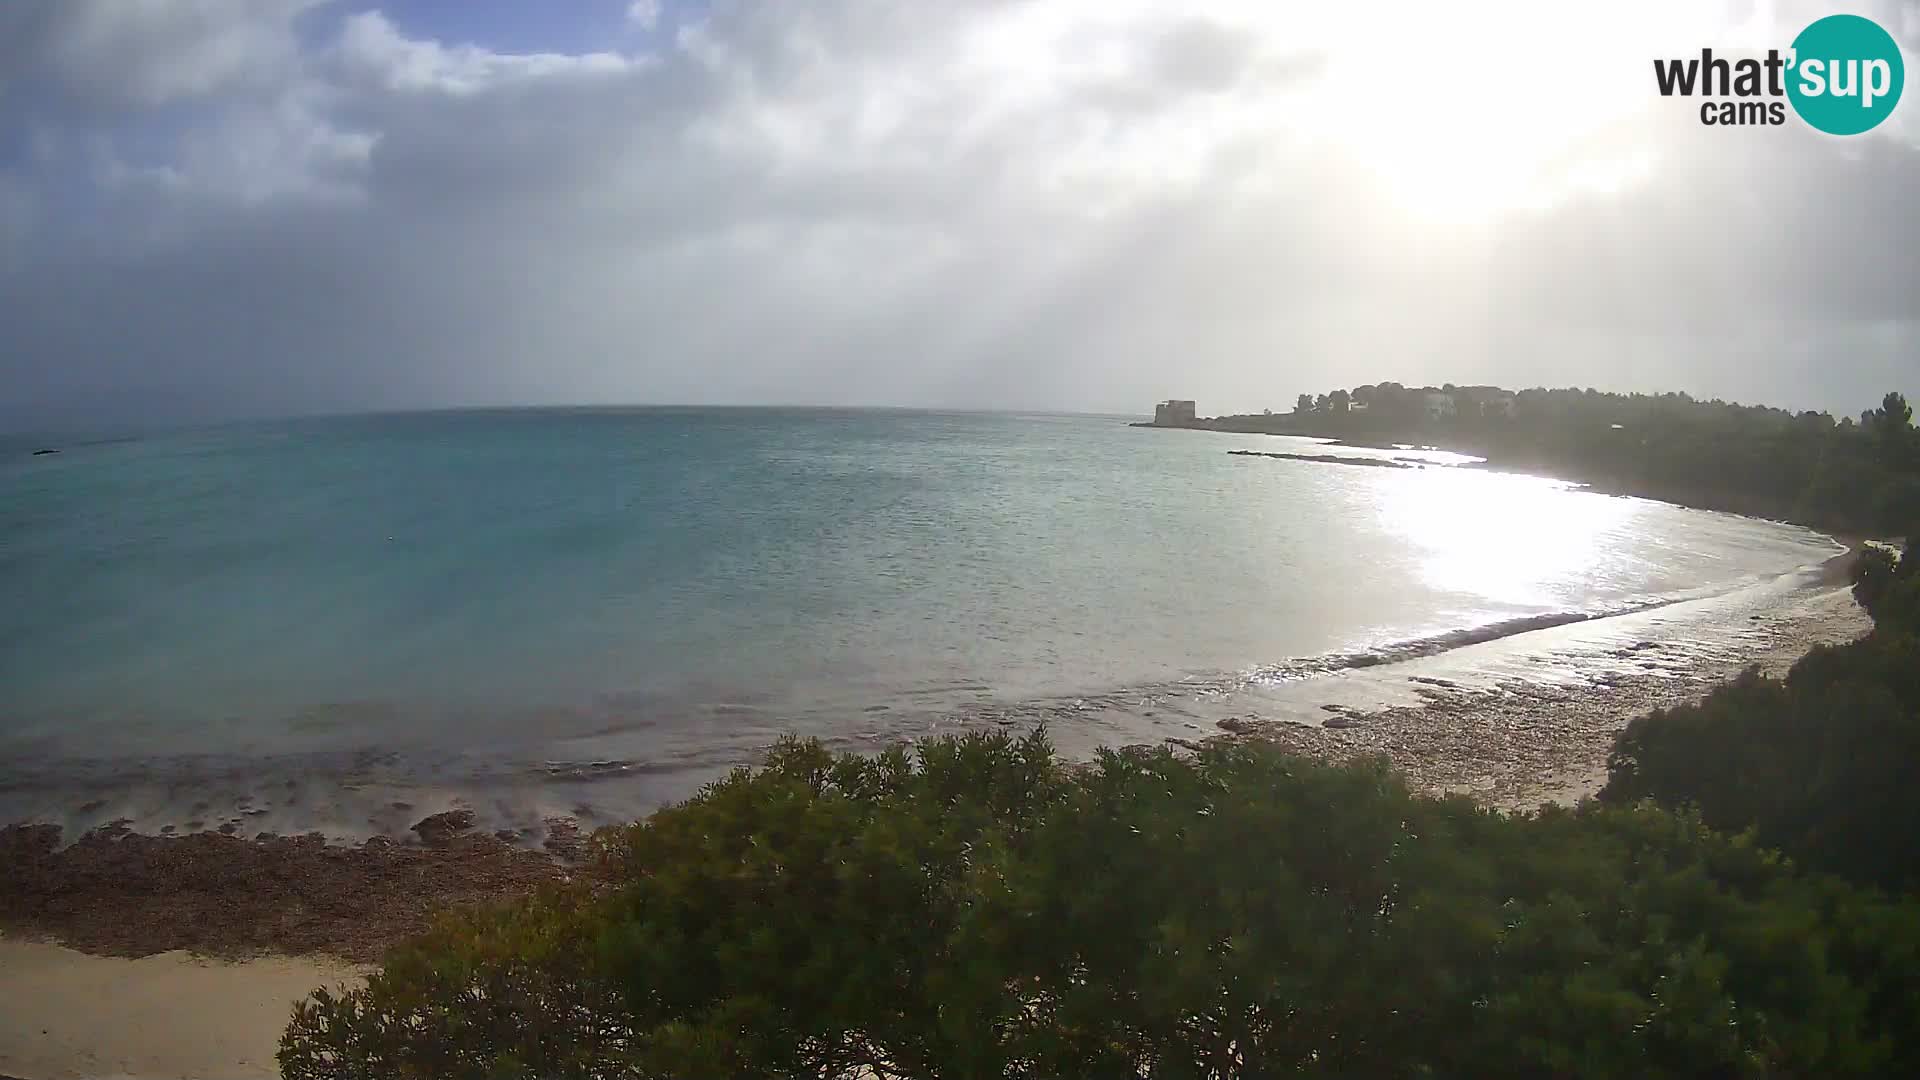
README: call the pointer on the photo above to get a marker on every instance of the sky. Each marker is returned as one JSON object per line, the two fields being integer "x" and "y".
{"x": 215, "y": 209}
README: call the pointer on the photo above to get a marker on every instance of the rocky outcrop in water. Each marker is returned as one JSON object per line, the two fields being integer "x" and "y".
{"x": 1330, "y": 459}
{"x": 440, "y": 829}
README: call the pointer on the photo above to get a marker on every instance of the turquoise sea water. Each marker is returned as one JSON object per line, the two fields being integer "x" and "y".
{"x": 627, "y": 593}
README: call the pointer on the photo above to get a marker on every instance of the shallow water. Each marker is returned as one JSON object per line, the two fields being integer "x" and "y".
{"x": 526, "y": 605}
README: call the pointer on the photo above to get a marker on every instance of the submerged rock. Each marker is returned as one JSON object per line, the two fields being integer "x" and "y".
{"x": 564, "y": 839}
{"x": 440, "y": 829}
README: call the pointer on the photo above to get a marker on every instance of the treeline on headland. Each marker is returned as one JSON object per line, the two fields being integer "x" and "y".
{"x": 1741, "y": 902}
{"x": 1844, "y": 475}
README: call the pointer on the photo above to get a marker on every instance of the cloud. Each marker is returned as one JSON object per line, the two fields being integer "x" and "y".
{"x": 280, "y": 207}
{"x": 644, "y": 13}
{"x": 118, "y": 53}
{"x": 372, "y": 50}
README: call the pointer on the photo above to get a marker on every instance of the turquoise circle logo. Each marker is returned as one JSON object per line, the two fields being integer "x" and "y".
{"x": 1846, "y": 75}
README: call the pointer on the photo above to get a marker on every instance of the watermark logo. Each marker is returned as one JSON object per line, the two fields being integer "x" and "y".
{"x": 1843, "y": 75}
{"x": 1849, "y": 75}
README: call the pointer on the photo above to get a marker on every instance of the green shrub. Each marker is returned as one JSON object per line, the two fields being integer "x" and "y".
{"x": 978, "y": 909}
{"x": 1888, "y": 587}
{"x": 1818, "y": 765}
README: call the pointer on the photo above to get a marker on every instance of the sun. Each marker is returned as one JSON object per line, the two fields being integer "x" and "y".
{"x": 1462, "y": 112}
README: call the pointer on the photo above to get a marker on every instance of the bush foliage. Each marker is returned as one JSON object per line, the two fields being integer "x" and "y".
{"x": 1818, "y": 765}
{"x": 977, "y": 908}
{"x": 1888, "y": 587}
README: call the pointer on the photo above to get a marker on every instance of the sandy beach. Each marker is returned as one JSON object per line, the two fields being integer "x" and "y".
{"x": 132, "y": 955}
{"x": 173, "y": 1015}
{"x": 139, "y": 956}
{"x": 1532, "y": 720}
{"x": 1520, "y": 745}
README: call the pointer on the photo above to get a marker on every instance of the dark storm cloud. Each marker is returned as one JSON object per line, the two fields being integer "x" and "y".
{"x": 136, "y": 53}
{"x": 281, "y": 208}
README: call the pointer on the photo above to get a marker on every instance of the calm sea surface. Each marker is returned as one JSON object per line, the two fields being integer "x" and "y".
{"x": 627, "y": 593}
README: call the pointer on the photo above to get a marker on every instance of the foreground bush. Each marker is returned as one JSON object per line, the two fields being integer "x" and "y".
{"x": 978, "y": 909}
{"x": 1819, "y": 765}
{"x": 1888, "y": 587}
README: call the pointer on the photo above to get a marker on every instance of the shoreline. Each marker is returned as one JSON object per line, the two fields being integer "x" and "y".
{"x": 1513, "y": 721}
{"x": 169, "y": 955}
{"x": 1517, "y": 744}
{"x": 523, "y": 793}
{"x": 114, "y": 892}
{"x": 1686, "y": 496}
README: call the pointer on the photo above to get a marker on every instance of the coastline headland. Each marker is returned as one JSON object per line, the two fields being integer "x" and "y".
{"x": 1840, "y": 475}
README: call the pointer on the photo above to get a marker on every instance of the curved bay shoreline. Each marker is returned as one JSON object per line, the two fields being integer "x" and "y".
{"x": 1518, "y": 744}
{"x": 1510, "y": 722}
{"x": 179, "y": 927}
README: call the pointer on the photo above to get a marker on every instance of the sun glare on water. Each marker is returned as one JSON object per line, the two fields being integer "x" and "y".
{"x": 1518, "y": 540}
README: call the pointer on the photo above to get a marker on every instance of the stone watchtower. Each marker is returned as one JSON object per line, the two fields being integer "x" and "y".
{"x": 1173, "y": 413}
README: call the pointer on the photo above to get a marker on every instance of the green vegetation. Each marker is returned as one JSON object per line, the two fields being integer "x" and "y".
{"x": 977, "y": 908}
{"x": 1820, "y": 764}
{"x": 1842, "y": 475}
{"x": 1889, "y": 588}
